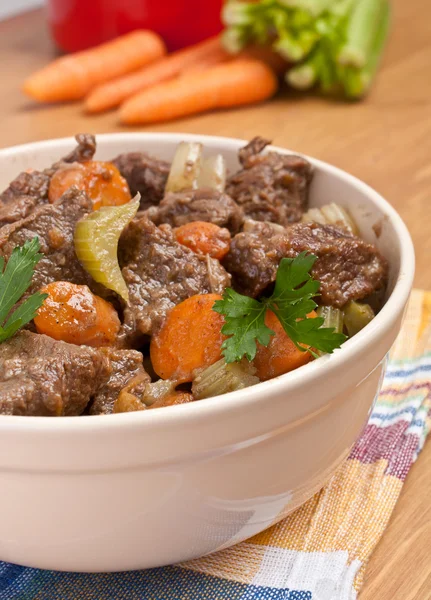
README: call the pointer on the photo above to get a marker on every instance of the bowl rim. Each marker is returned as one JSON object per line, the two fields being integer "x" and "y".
{"x": 286, "y": 383}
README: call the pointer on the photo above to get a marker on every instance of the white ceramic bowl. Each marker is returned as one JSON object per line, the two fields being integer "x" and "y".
{"x": 140, "y": 490}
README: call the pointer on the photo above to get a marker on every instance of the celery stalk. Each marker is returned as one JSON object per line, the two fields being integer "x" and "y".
{"x": 290, "y": 48}
{"x": 314, "y": 7}
{"x": 362, "y": 28}
{"x": 304, "y": 76}
{"x": 233, "y": 40}
{"x": 237, "y": 13}
{"x": 358, "y": 82}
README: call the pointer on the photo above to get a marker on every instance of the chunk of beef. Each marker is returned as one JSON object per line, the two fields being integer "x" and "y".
{"x": 144, "y": 174}
{"x": 19, "y": 208}
{"x": 160, "y": 273}
{"x": 85, "y": 150}
{"x": 30, "y": 184}
{"x": 54, "y": 224}
{"x": 176, "y": 209}
{"x": 41, "y": 376}
{"x": 347, "y": 267}
{"x": 271, "y": 186}
{"x": 126, "y": 365}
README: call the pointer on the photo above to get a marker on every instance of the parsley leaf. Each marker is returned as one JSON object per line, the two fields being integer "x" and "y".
{"x": 245, "y": 324}
{"x": 15, "y": 280}
{"x": 291, "y": 302}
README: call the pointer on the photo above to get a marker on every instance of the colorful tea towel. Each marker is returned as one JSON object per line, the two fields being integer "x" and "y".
{"x": 321, "y": 550}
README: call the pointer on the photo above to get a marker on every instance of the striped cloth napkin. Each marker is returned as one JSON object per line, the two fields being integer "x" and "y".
{"x": 321, "y": 550}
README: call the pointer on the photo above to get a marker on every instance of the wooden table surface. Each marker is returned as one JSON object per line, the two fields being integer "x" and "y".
{"x": 385, "y": 140}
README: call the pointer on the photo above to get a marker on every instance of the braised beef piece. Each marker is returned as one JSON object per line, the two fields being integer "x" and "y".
{"x": 160, "y": 273}
{"x": 32, "y": 184}
{"x": 54, "y": 224}
{"x": 19, "y": 208}
{"x": 24, "y": 194}
{"x": 198, "y": 205}
{"x": 30, "y": 189}
{"x": 271, "y": 186}
{"x": 144, "y": 174}
{"x": 85, "y": 150}
{"x": 126, "y": 365}
{"x": 347, "y": 267}
{"x": 44, "y": 377}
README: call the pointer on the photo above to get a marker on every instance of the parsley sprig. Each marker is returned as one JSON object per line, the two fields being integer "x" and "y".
{"x": 15, "y": 280}
{"x": 291, "y": 302}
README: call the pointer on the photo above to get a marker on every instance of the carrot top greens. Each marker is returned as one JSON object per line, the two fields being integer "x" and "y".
{"x": 291, "y": 302}
{"x": 15, "y": 280}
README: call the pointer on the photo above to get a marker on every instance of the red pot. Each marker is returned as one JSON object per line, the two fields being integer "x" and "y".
{"x": 80, "y": 24}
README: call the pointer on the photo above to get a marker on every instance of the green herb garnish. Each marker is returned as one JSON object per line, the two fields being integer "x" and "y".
{"x": 291, "y": 302}
{"x": 15, "y": 280}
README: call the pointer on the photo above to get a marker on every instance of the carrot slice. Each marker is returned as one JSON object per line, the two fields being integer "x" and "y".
{"x": 114, "y": 93}
{"x": 71, "y": 77}
{"x": 72, "y": 313}
{"x": 234, "y": 83}
{"x": 204, "y": 238}
{"x": 281, "y": 355}
{"x": 189, "y": 339}
{"x": 102, "y": 182}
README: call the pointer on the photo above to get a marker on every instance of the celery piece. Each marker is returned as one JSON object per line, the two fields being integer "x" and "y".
{"x": 337, "y": 215}
{"x": 158, "y": 390}
{"x": 213, "y": 173}
{"x": 362, "y": 27}
{"x": 356, "y": 316}
{"x": 185, "y": 168}
{"x": 314, "y": 215}
{"x": 331, "y": 214}
{"x": 96, "y": 242}
{"x": 221, "y": 378}
{"x": 333, "y": 317}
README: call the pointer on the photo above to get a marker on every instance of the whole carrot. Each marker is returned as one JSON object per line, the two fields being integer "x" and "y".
{"x": 71, "y": 77}
{"x": 114, "y": 93}
{"x": 237, "y": 82}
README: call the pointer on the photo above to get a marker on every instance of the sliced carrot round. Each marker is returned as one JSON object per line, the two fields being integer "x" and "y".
{"x": 102, "y": 182}
{"x": 204, "y": 238}
{"x": 281, "y": 355}
{"x": 189, "y": 339}
{"x": 74, "y": 314}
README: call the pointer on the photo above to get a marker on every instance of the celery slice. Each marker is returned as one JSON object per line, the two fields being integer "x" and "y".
{"x": 96, "y": 242}
{"x": 331, "y": 214}
{"x": 221, "y": 378}
{"x": 185, "y": 167}
{"x": 213, "y": 173}
{"x": 333, "y": 317}
{"x": 356, "y": 316}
